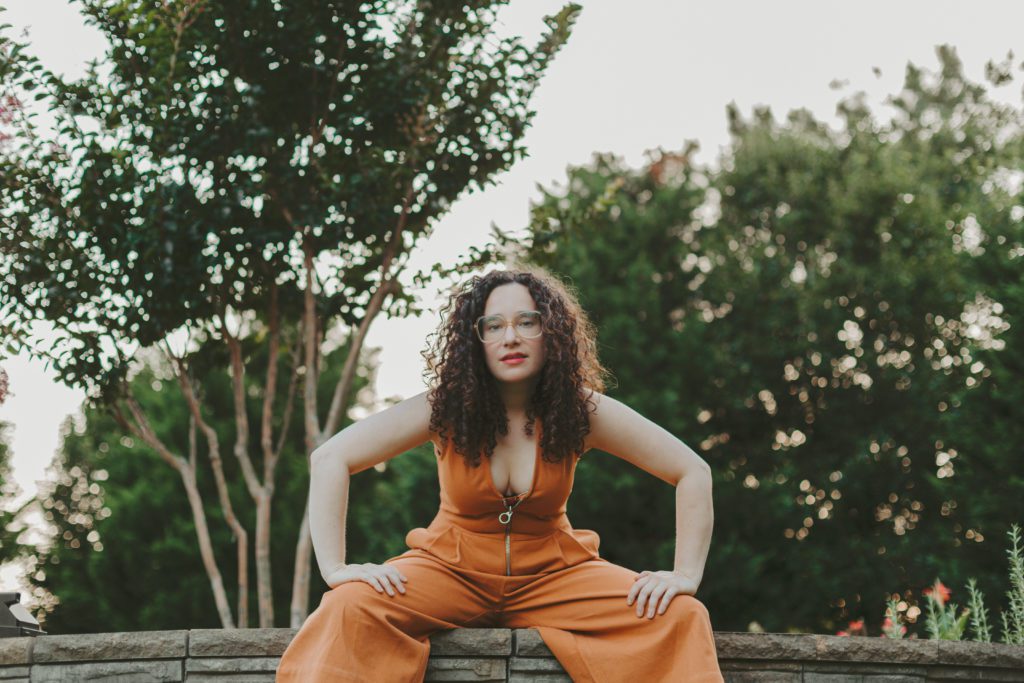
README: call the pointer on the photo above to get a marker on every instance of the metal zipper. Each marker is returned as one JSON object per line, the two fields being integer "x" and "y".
{"x": 508, "y": 551}
{"x": 506, "y": 519}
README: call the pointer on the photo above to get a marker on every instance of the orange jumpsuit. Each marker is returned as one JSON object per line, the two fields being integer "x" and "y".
{"x": 489, "y": 560}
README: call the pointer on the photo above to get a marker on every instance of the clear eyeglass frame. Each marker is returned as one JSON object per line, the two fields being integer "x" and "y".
{"x": 499, "y": 332}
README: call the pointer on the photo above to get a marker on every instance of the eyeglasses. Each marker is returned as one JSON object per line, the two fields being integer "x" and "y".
{"x": 491, "y": 328}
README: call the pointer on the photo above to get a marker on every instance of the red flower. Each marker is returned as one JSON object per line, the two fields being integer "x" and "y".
{"x": 939, "y": 590}
{"x": 887, "y": 625}
{"x": 857, "y": 625}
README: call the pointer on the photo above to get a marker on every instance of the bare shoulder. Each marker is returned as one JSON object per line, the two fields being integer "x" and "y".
{"x": 605, "y": 413}
{"x": 617, "y": 429}
{"x": 597, "y": 406}
{"x": 382, "y": 435}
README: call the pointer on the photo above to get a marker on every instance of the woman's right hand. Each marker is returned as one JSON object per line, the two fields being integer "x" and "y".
{"x": 380, "y": 576}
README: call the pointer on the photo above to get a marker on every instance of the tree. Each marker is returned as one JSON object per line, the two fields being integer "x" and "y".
{"x": 242, "y": 176}
{"x": 10, "y": 549}
{"x": 117, "y": 556}
{"x": 810, "y": 317}
{"x": 12, "y": 523}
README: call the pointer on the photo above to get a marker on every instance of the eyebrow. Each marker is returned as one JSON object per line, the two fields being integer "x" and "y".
{"x": 488, "y": 315}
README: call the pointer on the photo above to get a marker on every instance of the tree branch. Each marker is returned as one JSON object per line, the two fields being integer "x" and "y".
{"x": 270, "y": 388}
{"x": 241, "y": 412}
{"x": 387, "y": 282}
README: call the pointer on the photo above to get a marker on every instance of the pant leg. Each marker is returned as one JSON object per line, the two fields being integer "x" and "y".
{"x": 358, "y": 634}
{"x": 582, "y": 616}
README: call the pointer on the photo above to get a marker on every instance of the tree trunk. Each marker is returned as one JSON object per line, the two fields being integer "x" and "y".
{"x": 300, "y": 583}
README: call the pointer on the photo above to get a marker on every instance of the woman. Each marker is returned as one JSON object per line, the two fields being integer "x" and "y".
{"x": 516, "y": 380}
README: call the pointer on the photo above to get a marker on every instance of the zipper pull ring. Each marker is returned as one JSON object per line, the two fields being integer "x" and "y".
{"x": 506, "y": 517}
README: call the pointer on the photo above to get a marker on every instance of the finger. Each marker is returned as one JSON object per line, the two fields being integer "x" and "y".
{"x": 372, "y": 580}
{"x": 653, "y": 599}
{"x": 634, "y": 589}
{"x": 665, "y": 599}
{"x": 386, "y": 581}
{"x": 395, "y": 571}
{"x": 396, "y": 579}
{"x": 640, "y": 598}
{"x": 641, "y": 602}
{"x": 637, "y": 586}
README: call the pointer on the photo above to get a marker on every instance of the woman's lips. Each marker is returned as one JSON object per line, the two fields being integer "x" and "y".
{"x": 514, "y": 361}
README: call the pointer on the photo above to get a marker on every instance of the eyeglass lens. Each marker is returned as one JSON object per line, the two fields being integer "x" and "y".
{"x": 527, "y": 324}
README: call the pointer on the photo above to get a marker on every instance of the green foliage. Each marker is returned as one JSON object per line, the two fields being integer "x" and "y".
{"x": 220, "y": 162}
{"x": 1013, "y": 617}
{"x": 979, "y": 615}
{"x": 12, "y": 522}
{"x": 831, "y": 319}
{"x": 122, "y": 544}
{"x": 942, "y": 622}
{"x": 892, "y": 625}
{"x": 220, "y": 144}
{"x": 122, "y": 552}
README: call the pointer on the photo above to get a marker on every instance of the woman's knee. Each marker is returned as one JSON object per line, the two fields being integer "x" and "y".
{"x": 687, "y": 607}
{"x": 357, "y": 596}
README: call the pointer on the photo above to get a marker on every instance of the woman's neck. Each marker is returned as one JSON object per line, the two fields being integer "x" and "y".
{"x": 516, "y": 397}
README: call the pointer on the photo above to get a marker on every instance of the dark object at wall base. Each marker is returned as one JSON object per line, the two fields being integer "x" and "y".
{"x": 15, "y": 621}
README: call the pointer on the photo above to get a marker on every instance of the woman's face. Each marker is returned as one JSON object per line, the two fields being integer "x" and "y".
{"x": 509, "y": 301}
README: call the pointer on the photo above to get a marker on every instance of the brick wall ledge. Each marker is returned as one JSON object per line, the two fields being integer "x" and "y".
{"x": 496, "y": 655}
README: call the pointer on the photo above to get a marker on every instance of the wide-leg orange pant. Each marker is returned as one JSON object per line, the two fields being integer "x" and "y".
{"x": 359, "y": 634}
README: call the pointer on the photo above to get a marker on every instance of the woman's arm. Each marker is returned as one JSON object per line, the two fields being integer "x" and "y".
{"x": 359, "y": 446}
{"x": 618, "y": 429}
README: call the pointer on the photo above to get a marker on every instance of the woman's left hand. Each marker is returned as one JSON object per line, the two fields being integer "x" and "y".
{"x": 650, "y": 587}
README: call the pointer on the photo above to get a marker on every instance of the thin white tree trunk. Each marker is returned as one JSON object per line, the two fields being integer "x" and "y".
{"x": 238, "y": 531}
{"x": 144, "y": 431}
{"x": 300, "y": 583}
{"x": 264, "y": 583}
{"x": 315, "y": 435}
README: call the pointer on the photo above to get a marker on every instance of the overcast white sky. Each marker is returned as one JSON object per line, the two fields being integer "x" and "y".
{"x": 633, "y": 77}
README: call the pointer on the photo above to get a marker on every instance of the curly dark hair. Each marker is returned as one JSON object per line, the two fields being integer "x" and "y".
{"x": 466, "y": 406}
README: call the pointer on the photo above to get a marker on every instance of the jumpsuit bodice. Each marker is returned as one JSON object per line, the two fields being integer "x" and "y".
{"x": 526, "y": 533}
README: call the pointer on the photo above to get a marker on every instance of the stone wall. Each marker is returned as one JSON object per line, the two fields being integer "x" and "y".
{"x": 496, "y": 655}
